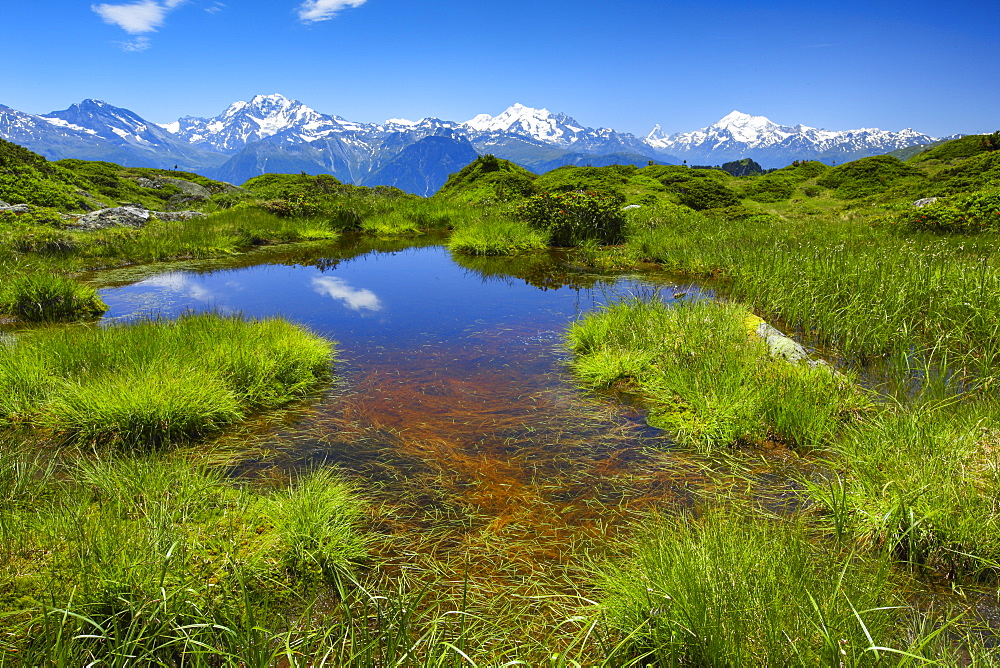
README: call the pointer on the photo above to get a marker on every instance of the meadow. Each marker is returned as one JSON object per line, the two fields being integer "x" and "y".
{"x": 130, "y": 535}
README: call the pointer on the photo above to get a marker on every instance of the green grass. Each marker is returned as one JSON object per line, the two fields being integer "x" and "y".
{"x": 48, "y": 297}
{"x": 710, "y": 381}
{"x": 849, "y": 280}
{"x": 921, "y": 481}
{"x": 738, "y": 589}
{"x": 156, "y": 382}
{"x": 129, "y": 561}
{"x": 493, "y": 235}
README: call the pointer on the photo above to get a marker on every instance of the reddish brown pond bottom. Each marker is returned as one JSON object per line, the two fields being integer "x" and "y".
{"x": 454, "y": 414}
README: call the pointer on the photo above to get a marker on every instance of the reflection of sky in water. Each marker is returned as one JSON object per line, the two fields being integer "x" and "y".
{"x": 353, "y": 298}
{"x": 400, "y": 301}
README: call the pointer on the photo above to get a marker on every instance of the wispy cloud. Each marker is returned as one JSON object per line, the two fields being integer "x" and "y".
{"x": 216, "y": 8}
{"x": 311, "y": 11}
{"x": 137, "y": 18}
{"x": 137, "y": 44}
{"x": 353, "y": 298}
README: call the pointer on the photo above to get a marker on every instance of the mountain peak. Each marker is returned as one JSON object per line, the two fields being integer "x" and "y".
{"x": 539, "y": 124}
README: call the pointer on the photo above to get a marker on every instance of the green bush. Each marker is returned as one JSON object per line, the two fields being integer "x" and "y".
{"x": 770, "y": 188}
{"x": 974, "y": 213}
{"x": 701, "y": 194}
{"x": 869, "y": 176}
{"x": 45, "y": 297}
{"x": 572, "y": 218}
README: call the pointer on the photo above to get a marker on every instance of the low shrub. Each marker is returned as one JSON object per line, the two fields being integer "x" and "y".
{"x": 572, "y": 218}
{"x": 701, "y": 194}
{"x": 970, "y": 214}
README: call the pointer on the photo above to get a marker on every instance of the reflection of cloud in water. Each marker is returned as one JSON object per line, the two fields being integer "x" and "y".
{"x": 181, "y": 283}
{"x": 353, "y": 298}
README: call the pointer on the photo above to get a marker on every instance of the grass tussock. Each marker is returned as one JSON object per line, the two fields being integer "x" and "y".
{"x": 49, "y": 297}
{"x": 732, "y": 589}
{"x": 147, "y": 560}
{"x": 709, "y": 380}
{"x": 921, "y": 482}
{"x": 156, "y": 382}
{"x": 496, "y": 236}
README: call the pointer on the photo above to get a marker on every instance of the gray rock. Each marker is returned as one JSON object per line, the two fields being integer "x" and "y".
{"x": 149, "y": 183}
{"x": 921, "y": 203}
{"x": 779, "y": 345}
{"x": 187, "y": 188}
{"x": 631, "y": 206}
{"x": 171, "y": 216}
{"x": 16, "y": 208}
{"x": 3, "y": 204}
{"x": 119, "y": 216}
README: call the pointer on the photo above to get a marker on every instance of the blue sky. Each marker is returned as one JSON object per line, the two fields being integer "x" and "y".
{"x": 627, "y": 64}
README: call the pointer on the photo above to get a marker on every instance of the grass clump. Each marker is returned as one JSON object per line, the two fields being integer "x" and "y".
{"x": 49, "y": 297}
{"x": 157, "y": 382}
{"x": 922, "y": 481}
{"x": 496, "y": 236}
{"x": 152, "y": 560}
{"x": 710, "y": 380}
{"x": 732, "y": 589}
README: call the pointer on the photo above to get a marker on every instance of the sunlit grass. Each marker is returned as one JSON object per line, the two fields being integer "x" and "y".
{"x": 156, "y": 382}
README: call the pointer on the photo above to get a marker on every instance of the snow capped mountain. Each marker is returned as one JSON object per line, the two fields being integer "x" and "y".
{"x": 272, "y": 133}
{"x": 539, "y": 124}
{"x": 263, "y": 117}
{"x": 738, "y": 135}
{"x": 114, "y": 124}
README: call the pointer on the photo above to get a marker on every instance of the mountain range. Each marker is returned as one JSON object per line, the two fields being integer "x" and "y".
{"x": 272, "y": 133}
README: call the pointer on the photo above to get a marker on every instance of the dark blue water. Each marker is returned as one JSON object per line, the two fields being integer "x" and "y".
{"x": 404, "y": 304}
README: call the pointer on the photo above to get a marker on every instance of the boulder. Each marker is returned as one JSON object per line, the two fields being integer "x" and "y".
{"x": 15, "y": 208}
{"x": 779, "y": 345}
{"x": 187, "y": 188}
{"x": 921, "y": 203}
{"x": 119, "y": 216}
{"x": 171, "y": 216}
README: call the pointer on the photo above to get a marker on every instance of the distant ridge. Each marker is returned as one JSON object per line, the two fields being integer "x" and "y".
{"x": 277, "y": 134}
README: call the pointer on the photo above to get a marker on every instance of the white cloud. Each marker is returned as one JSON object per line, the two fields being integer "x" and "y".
{"x": 353, "y": 298}
{"x": 311, "y": 11}
{"x": 137, "y": 18}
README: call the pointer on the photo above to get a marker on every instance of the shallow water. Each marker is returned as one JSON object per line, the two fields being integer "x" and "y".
{"x": 452, "y": 405}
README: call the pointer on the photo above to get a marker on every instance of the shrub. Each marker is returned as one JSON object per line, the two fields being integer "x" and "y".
{"x": 770, "y": 188}
{"x": 868, "y": 176}
{"x": 701, "y": 194}
{"x": 572, "y": 218}
{"x": 975, "y": 213}
{"x": 49, "y": 298}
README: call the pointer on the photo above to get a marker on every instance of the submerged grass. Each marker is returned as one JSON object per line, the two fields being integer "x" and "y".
{"x": 156, "y": 382}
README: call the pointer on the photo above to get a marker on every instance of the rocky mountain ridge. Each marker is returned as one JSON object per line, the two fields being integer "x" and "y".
{"x": 271, "y": 133}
